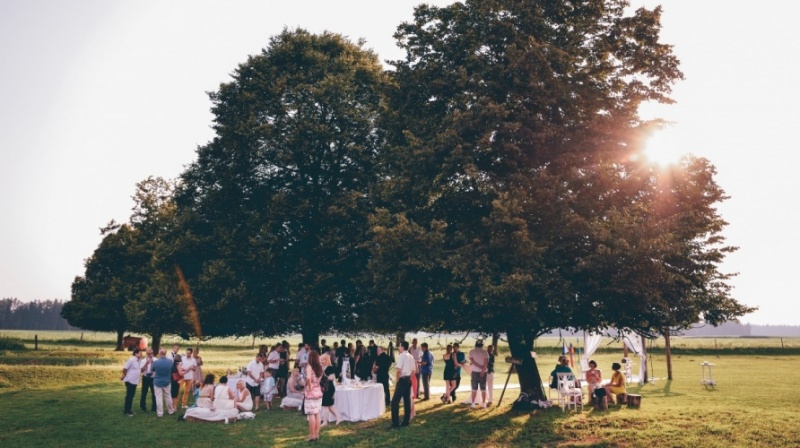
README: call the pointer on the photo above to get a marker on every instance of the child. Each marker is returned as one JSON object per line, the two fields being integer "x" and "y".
{"x": 197, "y": 386}
{"x": 268, "y": 388}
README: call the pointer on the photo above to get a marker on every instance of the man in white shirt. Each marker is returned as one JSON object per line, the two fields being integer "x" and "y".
{"x": 253, "y": 379}
{"x": 188, "y": 363}
{"x": 404, "y": 365}
{"x": 130, "y": 376}
{"x": 274, "y": 359}
{"x": 175, "y": 350}
{"x": 302, "y": 356}
{"x": 479, "y": 358}
{"x": 416, "y": 353}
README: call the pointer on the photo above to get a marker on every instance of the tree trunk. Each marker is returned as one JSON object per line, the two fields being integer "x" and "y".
{"x": 400, "y": 336}
{"x": 155, "y": 344}
{"x": 495, "y": 340}
{"x": 120, "y": 336}
{"x": 646, "y": 370}
{"x": 530, "y": 382}
{"x": 668, "y": 352}
{"x": 311, "y": 335}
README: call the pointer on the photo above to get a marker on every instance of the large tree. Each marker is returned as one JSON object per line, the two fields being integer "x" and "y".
{"x": 114, "y": 275}
{"x": 277, "y": 203}
{"x": 515, "y": 127}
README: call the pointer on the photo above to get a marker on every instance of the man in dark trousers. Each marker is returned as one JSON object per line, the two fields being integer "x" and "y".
{"x": 404, "y": 366}
{"x": 147, "y": 382}
{"x": 381, "y": 369}
{"x": 460, "y": 361}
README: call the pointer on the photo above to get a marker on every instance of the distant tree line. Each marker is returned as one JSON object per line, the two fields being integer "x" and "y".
{"x": 36, "y": 315}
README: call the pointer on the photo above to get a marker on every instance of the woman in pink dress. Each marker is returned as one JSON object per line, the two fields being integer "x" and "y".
{"x": 313, "y": 393}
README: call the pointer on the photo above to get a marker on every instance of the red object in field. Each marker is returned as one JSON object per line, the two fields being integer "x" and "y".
{"x": 143, "y": 343}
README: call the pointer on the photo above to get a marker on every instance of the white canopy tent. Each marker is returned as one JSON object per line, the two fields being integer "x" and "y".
{"x": 634, "y": 342}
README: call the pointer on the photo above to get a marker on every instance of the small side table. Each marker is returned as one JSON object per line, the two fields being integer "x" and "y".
{"x": 710, "y": 380}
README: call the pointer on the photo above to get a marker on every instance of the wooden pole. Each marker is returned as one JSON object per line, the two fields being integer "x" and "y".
{"x": 36, "y": 342}
{"x": 668, "y": 352}
{"x": 510, "y": 371}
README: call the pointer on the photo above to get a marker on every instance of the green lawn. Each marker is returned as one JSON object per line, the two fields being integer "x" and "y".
{"x": 68, "y": 394}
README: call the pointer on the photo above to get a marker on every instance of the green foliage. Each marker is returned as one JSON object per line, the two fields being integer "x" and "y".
{"x": 276, "y": 204}
{"x": 11, "y": 344}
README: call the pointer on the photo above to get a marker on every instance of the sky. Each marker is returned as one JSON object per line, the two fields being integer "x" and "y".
{"x": 97, "y": 95}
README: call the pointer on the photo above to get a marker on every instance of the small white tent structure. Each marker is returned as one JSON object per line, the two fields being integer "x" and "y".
{"x": 635, "y": 343}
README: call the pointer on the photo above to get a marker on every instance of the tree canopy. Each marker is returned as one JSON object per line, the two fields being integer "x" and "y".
{"x": 490, "y": 181}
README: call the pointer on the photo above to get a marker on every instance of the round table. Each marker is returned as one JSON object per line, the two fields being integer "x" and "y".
{"x": 358, "y": 403}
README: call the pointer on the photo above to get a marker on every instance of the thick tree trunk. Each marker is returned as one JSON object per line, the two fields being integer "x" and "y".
{"x": 155, "y": 344}
{"x": 400, "y": 336}
{"x": 495, "y": 340}
{"x": 530, "y": 382}
{"x": 311, "y": 336}
{"x": 120, "y": 336}
{"x": 668, "y": 352}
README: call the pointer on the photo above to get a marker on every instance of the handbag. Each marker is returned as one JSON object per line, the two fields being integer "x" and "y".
{"x": 176, "y": 376}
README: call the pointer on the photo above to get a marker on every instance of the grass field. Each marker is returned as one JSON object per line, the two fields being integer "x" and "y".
{"x": 67, "y": 394}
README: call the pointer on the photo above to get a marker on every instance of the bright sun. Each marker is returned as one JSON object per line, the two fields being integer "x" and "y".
{"x": 664, "y": 147}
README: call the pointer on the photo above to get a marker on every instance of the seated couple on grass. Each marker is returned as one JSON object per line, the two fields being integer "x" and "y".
{"x": 219, "y": 403}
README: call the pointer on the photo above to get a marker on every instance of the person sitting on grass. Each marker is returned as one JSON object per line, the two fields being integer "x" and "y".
{"x": 294, "y": 388}
{"x": 244, "y": 402}
{"x": 617, "y": 384}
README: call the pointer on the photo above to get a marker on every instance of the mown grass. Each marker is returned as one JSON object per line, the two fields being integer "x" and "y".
{"x": 69, "y": 397}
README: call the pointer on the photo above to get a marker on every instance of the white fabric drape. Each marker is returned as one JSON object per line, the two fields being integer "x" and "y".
{"x": 635, "y": 343}
{"x": 591, "y": 341}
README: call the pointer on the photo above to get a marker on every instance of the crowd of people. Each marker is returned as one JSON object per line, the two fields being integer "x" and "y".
{"x": 306, "y": 382}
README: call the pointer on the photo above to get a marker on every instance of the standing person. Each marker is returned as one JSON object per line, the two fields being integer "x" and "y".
{"x": 372, "y": 349}
{"x": 404, "y": 368}
{"x": 130, "y": 376}
{"x": 449, "y": 373}
{"x": 187, "y": 366}
{"x": 162, "y": 371}
{"x": 340, "y": 352}
{"x": 323, "y": 348}
{"x": 460, "y": 360}
{"x": 146, "y": 364}
{"x": 175, "y": 378}
{"x": 198, "y": 368}
{"x": 426, "y": 370}
{"x": 176, "y": 349}
{"x": 416, "y": 353}
{"x": 274, "y": 360}
{"x": 381, "y": 369}
{"x": 254, "y": 370}
{"x": 302, "y": 356}
{"x": 283, "y": 369}
{"x": 363, "y": 364}
{"x": 330, "y": 391}
{"x": 313, "y": 394}
{"x": 479, "y": 358}
{"x": 490, "y": 374}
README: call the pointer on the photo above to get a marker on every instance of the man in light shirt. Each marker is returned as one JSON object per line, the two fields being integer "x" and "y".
{"x": 130, "y": 376}
{"x": 479, "y": 358}
{"x": 253, "y": 379}
{"x": 404, "y": 366}
{"x": 415, "y": 353}
{"x": 302, "y": 356}
{"x": 274, "y": 359}
{"x": 188, "y": 364}
{"x": 162, "y": 371}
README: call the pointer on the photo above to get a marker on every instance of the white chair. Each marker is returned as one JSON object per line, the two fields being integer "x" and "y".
{"x": 568, "y": 393}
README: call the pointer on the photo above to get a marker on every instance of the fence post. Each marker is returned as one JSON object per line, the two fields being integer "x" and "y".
{"x": 36, "y": 342}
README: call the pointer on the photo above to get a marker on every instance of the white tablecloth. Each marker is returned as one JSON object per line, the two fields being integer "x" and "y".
{"x": 359, "y": 404}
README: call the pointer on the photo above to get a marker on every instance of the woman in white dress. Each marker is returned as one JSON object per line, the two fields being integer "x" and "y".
{"x": 244, "y": 402}
{"x": 294, "y": 391}
{"x": 222, "y": 409}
